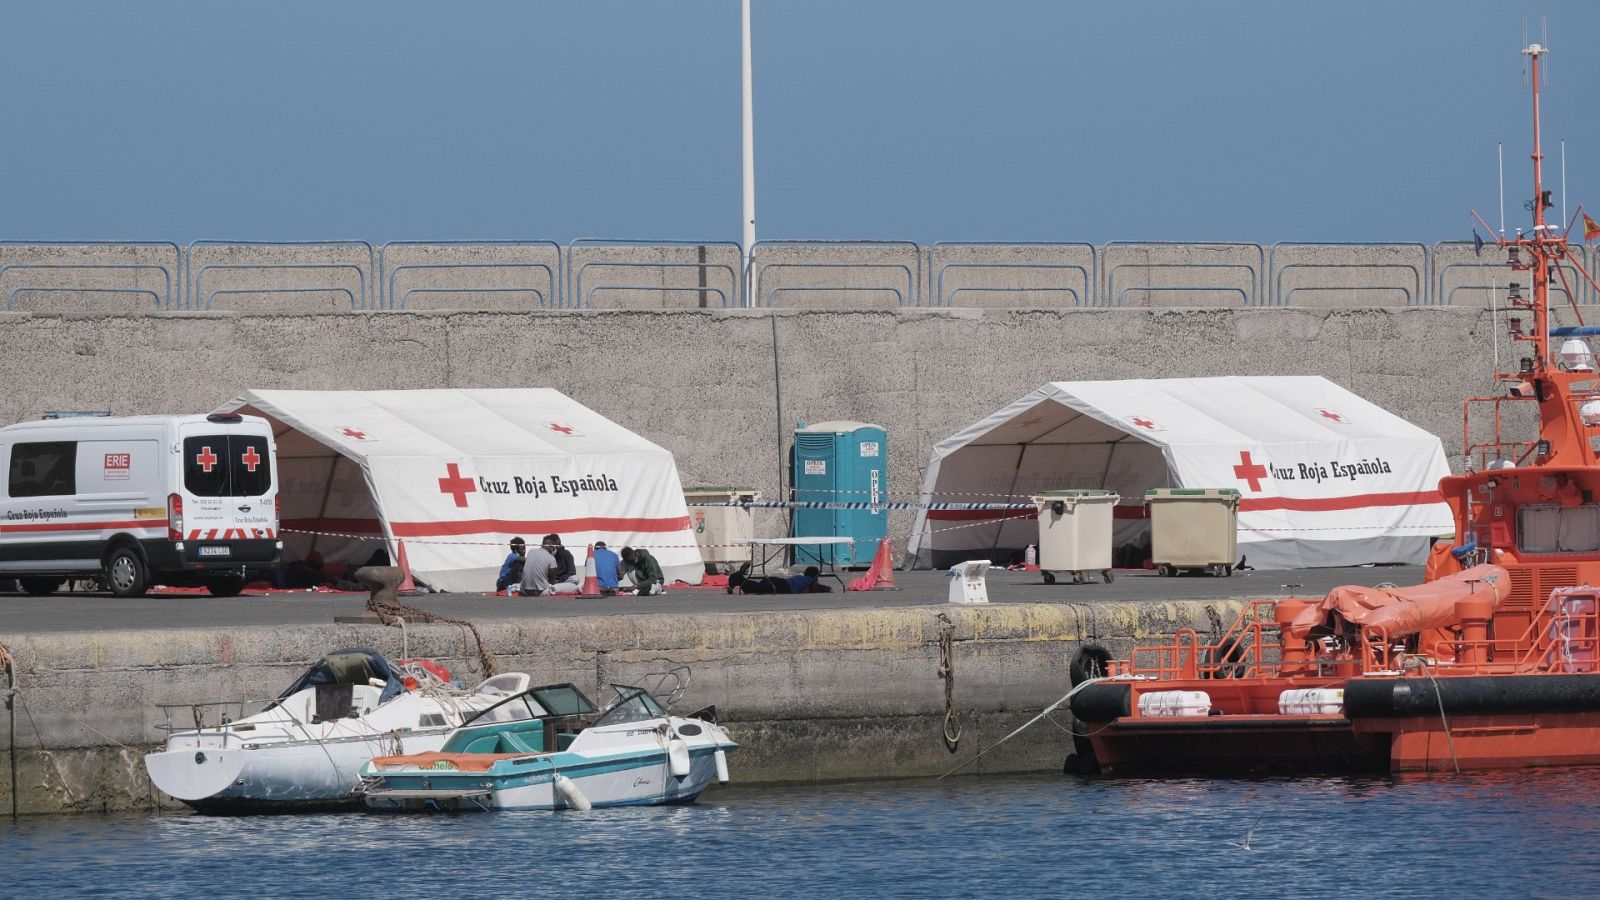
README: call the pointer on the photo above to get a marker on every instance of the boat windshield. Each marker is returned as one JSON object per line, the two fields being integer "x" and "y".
{"x": 538, "y": 703}
{"x": 633, "y": 704}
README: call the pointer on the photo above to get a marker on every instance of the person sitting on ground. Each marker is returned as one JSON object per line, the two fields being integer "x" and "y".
{"x": 644, "y": 570}
{"x": 511, "y": 569}
{"x": 808, "y": 583}
{"x": 536, "y": 569}
{"x": 564, "y": 580}
{"x": 607, "y": 568}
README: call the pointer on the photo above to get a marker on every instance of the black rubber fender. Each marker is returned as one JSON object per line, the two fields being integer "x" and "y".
{"x": 1102, "y": 702}
{"x": 1470, "y": 694}
{"x": 1091, "y": 661}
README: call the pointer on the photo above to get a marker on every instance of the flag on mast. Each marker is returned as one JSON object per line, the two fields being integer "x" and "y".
{"x": 1591, "y": 228}
{"x": 1477, "y": 243}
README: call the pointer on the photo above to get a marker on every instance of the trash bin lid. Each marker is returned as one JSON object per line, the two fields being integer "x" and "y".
{"x": 1076, "y": 493}
{"x": 1162, "y": 493}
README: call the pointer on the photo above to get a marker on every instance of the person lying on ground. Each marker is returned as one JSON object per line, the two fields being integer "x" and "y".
{"x": 806, "y": 583}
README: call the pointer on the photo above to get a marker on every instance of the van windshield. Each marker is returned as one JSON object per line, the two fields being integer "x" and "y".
{"x": 226, "y": 465}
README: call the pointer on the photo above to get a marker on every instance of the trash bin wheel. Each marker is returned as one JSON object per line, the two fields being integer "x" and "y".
{"x": 1107, "y": 576}
{"x": 1049, "y": 577}
{"x": 1227, "y": 571}
{"x": 1077, "y": 578}
{"x": 1165, "y": 571}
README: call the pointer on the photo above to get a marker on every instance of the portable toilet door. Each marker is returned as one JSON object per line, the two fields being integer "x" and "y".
{"x": 844, "y": 464}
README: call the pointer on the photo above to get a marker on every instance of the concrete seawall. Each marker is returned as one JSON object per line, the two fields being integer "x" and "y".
{"x": 706, "y": 383}
{"x": 810, "y": 695}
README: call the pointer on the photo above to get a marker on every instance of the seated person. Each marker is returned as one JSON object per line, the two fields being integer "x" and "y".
{"x": 537, "y": 567}
{"x": 607, "y": 568}
{"x": 511, "y": 569}
{"x": 643, "y": 570}
{"x": 564, "y": 580}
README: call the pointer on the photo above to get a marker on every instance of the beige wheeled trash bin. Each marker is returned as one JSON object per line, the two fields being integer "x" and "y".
{"x": 1075, "y": 533}
{"x": 1193, "y": 529}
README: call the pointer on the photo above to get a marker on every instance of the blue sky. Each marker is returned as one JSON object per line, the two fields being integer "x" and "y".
{"x": 1004, "y": 120}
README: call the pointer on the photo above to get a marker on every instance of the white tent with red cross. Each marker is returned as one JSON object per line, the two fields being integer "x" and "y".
{"x": 1325, "y": 477}
{"x": 455, "y": 474}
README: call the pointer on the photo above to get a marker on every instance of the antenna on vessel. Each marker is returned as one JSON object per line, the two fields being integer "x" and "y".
{"x": 1524, "y": 47}
{"x": 1563, "y": 179}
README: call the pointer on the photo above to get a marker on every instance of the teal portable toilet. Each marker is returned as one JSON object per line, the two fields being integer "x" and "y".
{"x": 843, "y": 463}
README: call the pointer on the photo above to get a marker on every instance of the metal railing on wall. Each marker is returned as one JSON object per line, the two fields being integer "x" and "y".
{"x": 167, "y": 276}
{"x": 582, "y": 296}
{"x": 166, "y": 299}
{"x": 550, "y": 295}
{"x": 1416, "y": 293}
{"x": 1081, "y": 296}
{"x": 193, "y": 278}
{"x": 910, "y": 296}
{"x": 1251, "y": 296}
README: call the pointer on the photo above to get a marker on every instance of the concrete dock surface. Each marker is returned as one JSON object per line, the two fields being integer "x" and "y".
{"x": 64, "y": 612}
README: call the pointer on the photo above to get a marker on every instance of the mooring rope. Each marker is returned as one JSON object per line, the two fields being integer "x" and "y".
{"x": 947, "y": 672}
{"x": 392, "y": 612}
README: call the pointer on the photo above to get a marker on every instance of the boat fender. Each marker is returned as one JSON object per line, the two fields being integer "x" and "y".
{"x": 721, "y": 757}
{"x": 1091, "y": 661}
{"x": 1102, "y": 702}
{"x": 568, "y": 789}
{"x": 1226, "y": 660}
{"x": 678, "y": 757}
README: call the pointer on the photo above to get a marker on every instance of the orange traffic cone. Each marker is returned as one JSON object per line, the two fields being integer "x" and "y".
{"x": 883, "y": 566}
{"x": 407, "y": 586}
{"x": 880, "y": 574}
{"x": 591, "y": 582}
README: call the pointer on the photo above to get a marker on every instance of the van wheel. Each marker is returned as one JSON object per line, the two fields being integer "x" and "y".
{"x": 39, "y": 587}
{"x": 225, "y": 585}
{"x": 125, "y": 573}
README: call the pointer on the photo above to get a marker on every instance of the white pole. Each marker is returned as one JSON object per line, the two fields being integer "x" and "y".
{"x": 1502, "y": 153}
{"x": 1563, "y": 180}
{"x": 749, "y": 157}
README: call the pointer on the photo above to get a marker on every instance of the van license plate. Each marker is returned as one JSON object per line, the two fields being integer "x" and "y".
{"x": 216, "y": 551}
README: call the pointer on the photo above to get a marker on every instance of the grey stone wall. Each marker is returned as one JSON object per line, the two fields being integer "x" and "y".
{"x": 809, "y": 695}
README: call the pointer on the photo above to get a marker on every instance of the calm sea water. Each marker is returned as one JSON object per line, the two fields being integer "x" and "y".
{"x": 1526, "y": 834}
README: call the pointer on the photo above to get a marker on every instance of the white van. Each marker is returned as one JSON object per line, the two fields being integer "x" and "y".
{"x": 176, "y": 500}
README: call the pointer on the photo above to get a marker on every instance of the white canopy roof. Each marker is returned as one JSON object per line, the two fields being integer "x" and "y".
{"x": 456, "y": 473}
{"x": 1326, "y": 478}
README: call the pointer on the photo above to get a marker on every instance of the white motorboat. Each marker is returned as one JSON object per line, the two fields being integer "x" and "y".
{"x": 548, "y": 748}
{"x": 305, "y": 749}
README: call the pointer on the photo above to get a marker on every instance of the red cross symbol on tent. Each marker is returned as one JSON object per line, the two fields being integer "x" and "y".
{"x": 456, "y": 486}
{"x": 251, "y": 459}
{"x": 1142, "y": 422}
{"x": 564, "y": 429}
{"x": 355, "y": 433}
{"x": 1249, "y": 471}
{"x": 1031, "y": 420}
{"x": 205, "y": 459}
{"x": 1330, "y": 414}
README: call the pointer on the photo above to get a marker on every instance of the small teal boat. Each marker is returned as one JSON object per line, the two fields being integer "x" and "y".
{"x": 550, "y": 748}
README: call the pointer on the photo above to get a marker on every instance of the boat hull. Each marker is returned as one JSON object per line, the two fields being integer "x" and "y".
{"x": 1388, "y": 725}
{"x": 285, "y": 776}
{"x": 631, "y": 779}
